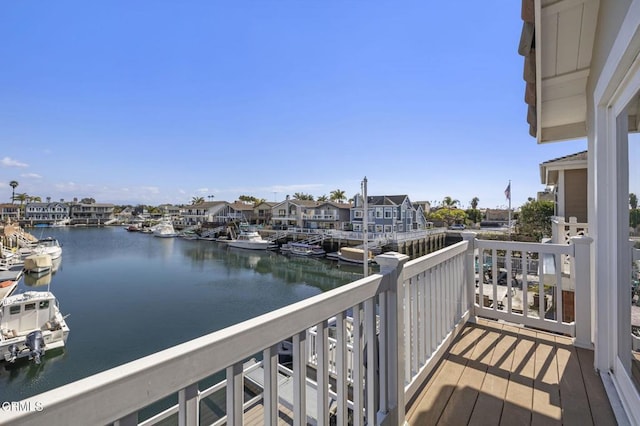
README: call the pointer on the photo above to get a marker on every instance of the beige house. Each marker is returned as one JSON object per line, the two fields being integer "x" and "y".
{"x": 566, "y": 179}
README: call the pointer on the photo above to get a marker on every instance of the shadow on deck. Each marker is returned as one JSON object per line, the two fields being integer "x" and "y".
{"x": 499, "y": 374}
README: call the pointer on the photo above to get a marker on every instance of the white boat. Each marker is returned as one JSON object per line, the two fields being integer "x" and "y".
{"x": 48, "y": 245}
{"x": 164, "y": 230}
{"x": 353, "y": 255}
{"x": 252, "y": 240}
{"x": 30, "y": 323}
{"x": 303, "y": 249}
{"x": 38, "y": 263}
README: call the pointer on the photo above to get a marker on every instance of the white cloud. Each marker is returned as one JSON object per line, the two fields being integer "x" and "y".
{"x": 10, "y": 162}
{"x": 31, "y": 175}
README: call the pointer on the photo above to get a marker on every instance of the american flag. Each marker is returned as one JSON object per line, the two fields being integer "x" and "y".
{"x": 507, "y": 192}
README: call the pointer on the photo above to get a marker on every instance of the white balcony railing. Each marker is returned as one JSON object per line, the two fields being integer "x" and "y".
{"x": 562, "y": 231}
{"x": 412, "y": 310}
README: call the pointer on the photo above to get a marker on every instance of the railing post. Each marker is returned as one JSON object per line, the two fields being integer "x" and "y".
{"x": 391, "y": 265}
{"x": 470, "y": 271}
{"x": 581, "y": 274}
{"x": 188, "y": 406}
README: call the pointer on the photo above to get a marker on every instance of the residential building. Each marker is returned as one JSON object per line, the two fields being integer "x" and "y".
{"x": 94, "y": 212}
{"x": 262, "y": 212}
{"x": 9, "y": 212}
{"x": 169, "y": 210}
{"x": 291, "y": 213}
{"x": 582, "y": 73}
{"x": 566, "y": 179}
{"x": 327, "y": 215}
{"x": 46, "y": 212}
{"x": 387, "y": 213}
{"x": 214, "y": 212}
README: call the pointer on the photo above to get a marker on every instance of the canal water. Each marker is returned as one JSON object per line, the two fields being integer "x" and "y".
{"x": 129, "y": 294}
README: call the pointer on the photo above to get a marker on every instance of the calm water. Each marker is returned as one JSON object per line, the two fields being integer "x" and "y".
{"x": 130, "y": 294}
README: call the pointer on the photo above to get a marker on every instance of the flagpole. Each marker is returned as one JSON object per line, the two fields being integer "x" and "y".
{"x": 509, "y": 209}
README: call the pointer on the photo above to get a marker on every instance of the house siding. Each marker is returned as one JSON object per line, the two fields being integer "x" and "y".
{"x": 576, "y": 194}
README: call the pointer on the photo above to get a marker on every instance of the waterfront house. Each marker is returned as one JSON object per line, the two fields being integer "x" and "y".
{"x": 388, "y": 213}
{"x": 327, "y": 215}
{"x": 169, "y": 210}
{"x": 441, "y": 356}
{"x": 91, "y": 213}
{"x": 9, "y": 212}
{"x": 291, "y": 213}
{"x": 214, "y": 212}
{"x": 46, "y": 212}
{"x": 582, "y": 73}
{"x": 566, "y": 179}
{"x": 262, "y": 212}
{"x": 242, "y": 212}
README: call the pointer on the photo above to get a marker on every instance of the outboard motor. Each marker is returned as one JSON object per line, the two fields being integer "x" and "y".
{"x": 13, "y": 352}
{"x": 35, "y": 344}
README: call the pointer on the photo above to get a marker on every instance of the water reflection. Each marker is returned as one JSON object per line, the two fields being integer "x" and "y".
{"x": 321, "y": 273}
{"x": 148, "y": 294}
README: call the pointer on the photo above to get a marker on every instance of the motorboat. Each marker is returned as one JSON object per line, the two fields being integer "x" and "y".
{"x": 31, "y": 323}
{"x": 249, "y": 239}
{"x": 303, "y": 249}
{"x": 164, "y": 230}
{"x": 48, "y": 245}
{"x": 38, "y": 263}
{"x": 353, "y": 255}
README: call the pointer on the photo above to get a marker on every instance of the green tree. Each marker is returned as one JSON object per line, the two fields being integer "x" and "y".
{"x": 448, "y": 216}
{"x": 634, "y": 218}
{"x": 474, "y": 202}
{"x": 449, "y": 202}
{"x": 534, "y": 220}
{"x": 197, "y": 200}
{"x": 473, "y": 215}
{"x": 13, "y": 184}
{"x": 323, "y": 198}
{"x": 633, "y": 201}
{"x": 303, "y": 196}
{"x": 250, "y": 199}
{"x": 88, "y": 200}
{"x": 23, "y": 198}
{"x": 337, "y": 195}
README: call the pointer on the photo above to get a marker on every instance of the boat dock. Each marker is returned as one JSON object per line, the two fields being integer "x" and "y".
{"x": 8, "y": 282}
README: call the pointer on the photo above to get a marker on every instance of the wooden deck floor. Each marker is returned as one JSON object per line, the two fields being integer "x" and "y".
{"x": 497, "y": 374}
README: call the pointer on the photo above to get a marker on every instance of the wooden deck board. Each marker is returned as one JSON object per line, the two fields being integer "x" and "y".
{"x": 502, "y": 374}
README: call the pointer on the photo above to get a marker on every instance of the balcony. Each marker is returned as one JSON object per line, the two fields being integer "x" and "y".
{"x": 438, "y": 356}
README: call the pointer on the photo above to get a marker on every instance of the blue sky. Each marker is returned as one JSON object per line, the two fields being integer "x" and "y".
{"x": 156, "y": 102}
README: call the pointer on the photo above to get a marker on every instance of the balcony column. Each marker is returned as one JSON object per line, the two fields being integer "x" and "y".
{"x": 581, "y": 274}
{"x": 391, "y": 265}
{"x": 470, "y": 273}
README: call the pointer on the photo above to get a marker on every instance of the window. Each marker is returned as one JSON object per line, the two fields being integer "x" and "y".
{"x": 357, "y": 214}
{"x": 387, "y": 214}
{"x": 29, "y": 307}
{"x": 44, "y": 304}
{"x": 15, "y": 309}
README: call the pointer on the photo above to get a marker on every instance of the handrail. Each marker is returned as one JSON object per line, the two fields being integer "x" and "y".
{"x": 412, "y": 309}
{"x": 181, "y": 366}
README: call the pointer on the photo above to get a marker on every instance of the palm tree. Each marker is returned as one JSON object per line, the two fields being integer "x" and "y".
{"x": 449, "y": 202}
{"x": 24, "y": 197}
{"x": 323, "y": 198}
{"x": 197, "y": 200}
{"x": 474, "y": 202}
{"x": 303, "y": 196}
{"x": 13, "y": 184}
{"x": 338, "y": 195}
